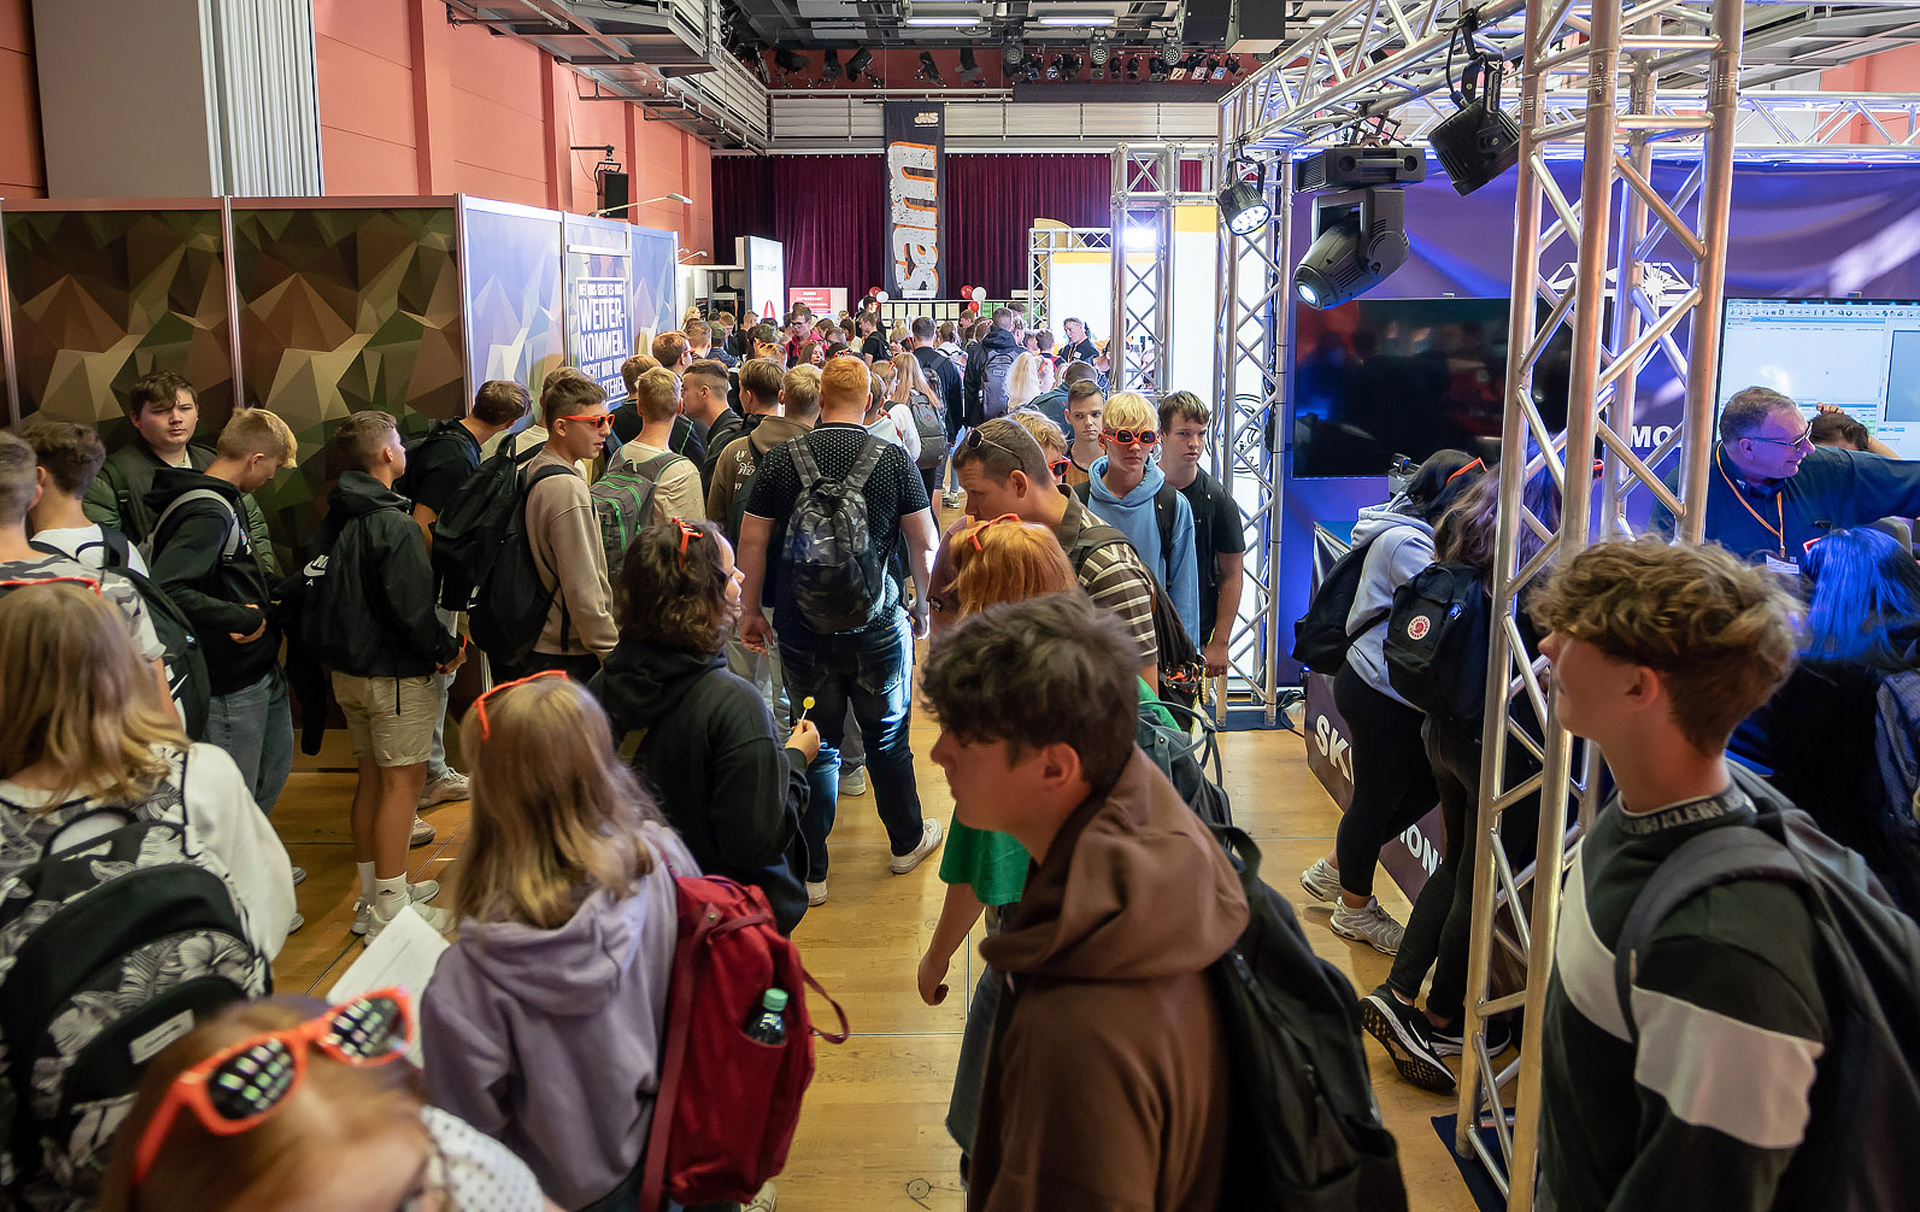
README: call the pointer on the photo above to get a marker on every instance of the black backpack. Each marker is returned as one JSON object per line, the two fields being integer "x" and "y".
{"x": 111, "y": 948}
{"x": 1436, "y": 643}
{"x": 837, "y": 575}
{"x": 1181, "y": 669}
{"x": 511, "y": 606}
{"x": 1186, "y": 761}
{"x": 1304, "y": 1130}
{"x": 1857, "y": 1154}
{"x": 444, "y": 431}
{"x": 468, "y": 535}
{"x": 185, "y": 658}
{"x": 1321, "y": 636}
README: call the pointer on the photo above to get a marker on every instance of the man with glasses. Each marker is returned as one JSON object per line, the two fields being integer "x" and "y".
{"x": 565, "y": 535}
{"x": 1129, "y": 491}
{"x": 1770, "y": 490}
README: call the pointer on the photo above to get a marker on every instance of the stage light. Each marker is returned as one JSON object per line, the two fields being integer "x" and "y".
{"x": 1069, "y": 66}
{"x": 930, "y": 71}
{"x": 832, "y": 70}
{"x": 1243, "y": 203}
{"x": 1133, "y": 68}
{"x": 1142, "y": 239}
{"x": 1170, "y": 46}
{"x": 969, "y": 66}
{"x": 1233, "y": 65}
{"x": 1213, "y": 69}
{"x": 1013, "y": 55}
{"x": 1053, "y": 68}
{"x": 1033, "y": 70}
{"x": 861, "y": 61}
{"x": 1359, "y": 238}
{"x": 790, "y": 62}
{"x": 1480, "y": 141}
{"x": 1098, "y": 50}
{"x": 760, "y": 68}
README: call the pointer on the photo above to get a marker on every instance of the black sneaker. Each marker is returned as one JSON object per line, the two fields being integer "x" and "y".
{"x": 1403, "y": 1031}
{"x": 1447, "y": 1040}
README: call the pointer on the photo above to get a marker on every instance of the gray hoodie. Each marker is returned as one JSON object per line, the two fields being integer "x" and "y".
{"x": 550, "y": 1039}
{"x": 1402, "y": 546}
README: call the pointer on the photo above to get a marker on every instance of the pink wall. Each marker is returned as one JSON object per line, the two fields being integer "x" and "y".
{"x": 1894, "y": 71}
{"x": 23, "y": 171}
{"x": 412, "y": 105}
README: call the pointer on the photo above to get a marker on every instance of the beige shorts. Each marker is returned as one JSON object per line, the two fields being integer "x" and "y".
{"x": 391, "y": 718}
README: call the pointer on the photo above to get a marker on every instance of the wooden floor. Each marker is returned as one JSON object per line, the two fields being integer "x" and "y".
{"x": 871, "y": 1138}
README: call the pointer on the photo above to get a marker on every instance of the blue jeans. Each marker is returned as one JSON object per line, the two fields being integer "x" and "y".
{"x": 437, "y": 767}
{"x": 871, "y": 671}
{"x": 255, "y": 726}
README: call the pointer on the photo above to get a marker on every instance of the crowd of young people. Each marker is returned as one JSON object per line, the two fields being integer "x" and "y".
{"x": 693, "y": 701}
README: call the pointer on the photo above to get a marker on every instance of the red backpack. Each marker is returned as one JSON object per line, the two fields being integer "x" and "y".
{"x": 732, "y": 1131}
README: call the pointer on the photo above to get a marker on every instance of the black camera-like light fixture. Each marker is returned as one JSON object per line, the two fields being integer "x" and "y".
{"x": 1359, "y": 238}
{"x": 862, "y": 59}
{"x": 1243, "y": 203}
{"x": 969, "y": 66}
{"x": 832, "y": 70}
{"x": 1479, "y": 141}
{"x": 1013, "y": 54}
{"x": 930, "y": 71}
{"x": 789, "y": 61}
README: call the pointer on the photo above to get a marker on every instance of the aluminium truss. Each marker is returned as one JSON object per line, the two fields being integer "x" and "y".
{"x": 1596, "y": 81}
{"x": 1042, "y": 244}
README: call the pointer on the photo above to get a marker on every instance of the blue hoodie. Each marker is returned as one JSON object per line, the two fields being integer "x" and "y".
{"x": 549, "y": 1040}
{"x": 1177, "y": 571}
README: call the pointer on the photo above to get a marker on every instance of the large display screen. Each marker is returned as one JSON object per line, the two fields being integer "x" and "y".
{"x": 1861, "y": 354}
{"x": 766, "y": 265}
{"x": 1377, "y": 378}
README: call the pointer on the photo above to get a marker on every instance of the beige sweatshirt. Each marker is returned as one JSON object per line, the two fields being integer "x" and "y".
{"x": 567, "y": 552}
{"x": 676, "y": 492}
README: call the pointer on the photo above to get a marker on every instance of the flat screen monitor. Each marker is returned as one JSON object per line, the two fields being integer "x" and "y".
{"x": 1861, "y": 354}
{"x": 1378, "y": 378}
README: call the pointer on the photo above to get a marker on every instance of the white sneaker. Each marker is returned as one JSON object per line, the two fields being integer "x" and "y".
{"x": 295, "y": 922}
{"x": 766, "y": 1199}
{"x": 299, "y": 876}
{"x": 1369, "y": 924}
{"x": 444, "y": 790}
{"x": 422, "y": 832}
{"x": 1322, "y": 881}
{"x": 816, "y": 893}
{"x": 423, "y": 891}
{"x": 854, "y": 782}
{"x": 439, "y": 919}
{"x": 950, "y": 499}
{"x": 929, "y": 842}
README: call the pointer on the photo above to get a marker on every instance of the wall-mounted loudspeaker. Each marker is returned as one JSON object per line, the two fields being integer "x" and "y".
{"x": 615, "y": 191}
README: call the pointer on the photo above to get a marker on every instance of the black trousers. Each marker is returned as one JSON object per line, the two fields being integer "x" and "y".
{"x": 1392, "y": 783}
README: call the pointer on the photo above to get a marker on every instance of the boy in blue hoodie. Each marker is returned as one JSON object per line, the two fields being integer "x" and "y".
{"x": 1129, "y": 492}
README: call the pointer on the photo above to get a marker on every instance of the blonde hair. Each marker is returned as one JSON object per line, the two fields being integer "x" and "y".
{"x": 556, "y": 814}
{"x": 1719, "y": 633}
{"x": 1012, "y": 561}
{"x": 75, "y": 694}
{"x": 253, "y": 431}
{"x": 1052, "y": 441}
{"x": 1129, "y": 410}
{"x": 800, "y": 392}
{"x": 336, "y": 1106}
{"x": 907, "y": 366}
{"x": 1023, "y": 381}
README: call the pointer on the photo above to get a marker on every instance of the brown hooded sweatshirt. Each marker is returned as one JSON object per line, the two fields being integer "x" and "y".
{"x": 1106, "y": 1087}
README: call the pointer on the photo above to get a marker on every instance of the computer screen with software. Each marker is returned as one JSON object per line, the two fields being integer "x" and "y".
{"x": 1861, "y": 354}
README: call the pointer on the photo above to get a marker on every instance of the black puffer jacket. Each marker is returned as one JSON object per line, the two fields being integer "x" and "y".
{"x": 710, "y": 756}
{"x": 377, "y": 595}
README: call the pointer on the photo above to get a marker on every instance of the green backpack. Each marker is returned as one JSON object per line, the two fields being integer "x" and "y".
{"x": 623, "y": 503}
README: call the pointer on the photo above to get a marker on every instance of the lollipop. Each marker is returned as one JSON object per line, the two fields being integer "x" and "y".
{"x": 806, "y": 705}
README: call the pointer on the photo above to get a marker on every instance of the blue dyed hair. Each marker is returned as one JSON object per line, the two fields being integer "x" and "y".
{"x": 1866, "y": 588}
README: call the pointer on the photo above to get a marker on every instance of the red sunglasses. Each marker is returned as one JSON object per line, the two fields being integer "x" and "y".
{"x": 687, "y": 534}
{"x": 480, "y": 704}
{"x": 89, "y": 582}
{"x": 600, "y": 421}
{"x": 1132, "y": 437}
{"x": 974, "y": 531}
{"x": 239, "y": 1086}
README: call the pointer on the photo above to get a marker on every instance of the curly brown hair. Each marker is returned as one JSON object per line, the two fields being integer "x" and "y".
{"x": 669, "y": 602}
{"x": 1719, "y": 634}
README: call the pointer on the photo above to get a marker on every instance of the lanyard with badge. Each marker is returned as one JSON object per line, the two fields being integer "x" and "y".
{"x": 1779, "y": 531}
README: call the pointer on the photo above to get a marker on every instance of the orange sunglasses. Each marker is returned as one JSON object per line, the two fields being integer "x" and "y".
{"x": 480, "y": 704}
{"x": 237, "y": 1087}
{"x": 89, "y": 582}
{"x": 687, "y": 533}
{"x": 974, "y": 531}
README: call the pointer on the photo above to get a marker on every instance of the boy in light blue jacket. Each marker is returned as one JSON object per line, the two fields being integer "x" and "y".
{"x": 1122, "y": 494}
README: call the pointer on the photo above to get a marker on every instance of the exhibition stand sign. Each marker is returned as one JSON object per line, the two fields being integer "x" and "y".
{"x": 916, "y": 135}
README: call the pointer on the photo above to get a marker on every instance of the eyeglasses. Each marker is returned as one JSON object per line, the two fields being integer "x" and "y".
{"x": 1805, "y": 439}
{"x": 1132, "y": 437}
{"x": 974, "y": 531}
{"x": 238, "y": 1087}
{"x": 22, "y": 583}
{"x": 687, "y": 535}
{"x": 480, "y": 704}
{"x": 600, "y": 421}
{"x": 1463, "y": 470}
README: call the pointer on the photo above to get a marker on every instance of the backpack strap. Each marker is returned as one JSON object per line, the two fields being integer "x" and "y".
{"x": 1721, "y": 855}
{"x": 864, "y": 466}
{"x": 804, "y": 464}
{"x": 230, "y": 546}
{"x": 1166, "y": 514}
{"x": 116, "y": 546}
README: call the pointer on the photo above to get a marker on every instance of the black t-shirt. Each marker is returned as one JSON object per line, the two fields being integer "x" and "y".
{"x": 875, "y": 347}
{"x": 439, "y": 464}
{"x": 894, "y": 491}
{"x": 1217, "y": 531}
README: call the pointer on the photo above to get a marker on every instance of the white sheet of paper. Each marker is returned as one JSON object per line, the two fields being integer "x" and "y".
{"x": 404, "y": 956}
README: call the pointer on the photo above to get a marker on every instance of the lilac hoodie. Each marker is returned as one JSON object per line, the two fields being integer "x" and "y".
{"x": 550, "y": 1039}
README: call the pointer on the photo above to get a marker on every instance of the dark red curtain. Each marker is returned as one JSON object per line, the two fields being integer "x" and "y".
{"x": 830, "y": 211}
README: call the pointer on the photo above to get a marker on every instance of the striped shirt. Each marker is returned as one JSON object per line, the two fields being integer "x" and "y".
{"x": 1708, "y": 1108}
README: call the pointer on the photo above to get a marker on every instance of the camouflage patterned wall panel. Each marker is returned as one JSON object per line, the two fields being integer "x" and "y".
{"x": 100, "y": 298}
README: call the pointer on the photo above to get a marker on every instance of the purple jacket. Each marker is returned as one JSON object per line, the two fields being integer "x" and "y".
{"x": 550, "y": 1039}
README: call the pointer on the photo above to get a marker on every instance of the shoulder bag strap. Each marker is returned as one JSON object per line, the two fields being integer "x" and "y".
{"x": 863, "y": 467}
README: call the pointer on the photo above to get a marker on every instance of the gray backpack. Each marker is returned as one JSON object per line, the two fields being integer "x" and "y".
{"x": 933, "y": 432}
{"x": 993, "y": 381}
{"x": 837, "y": 575}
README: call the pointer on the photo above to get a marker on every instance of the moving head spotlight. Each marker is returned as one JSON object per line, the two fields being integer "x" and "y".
{"x": 1359, "y": 237}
